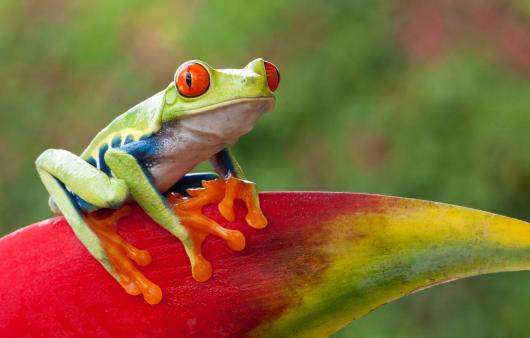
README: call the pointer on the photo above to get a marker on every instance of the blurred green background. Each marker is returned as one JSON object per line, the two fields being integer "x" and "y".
{"x": 424, "y": 99}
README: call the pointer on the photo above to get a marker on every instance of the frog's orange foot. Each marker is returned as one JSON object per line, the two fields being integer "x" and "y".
{"x": 122, "y": 254}
{"x": 246, "y": 191}
{"x": 223, "y": 192}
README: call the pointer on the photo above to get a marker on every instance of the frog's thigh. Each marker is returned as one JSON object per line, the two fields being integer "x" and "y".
{"x": 70, "y": 210}
{"x": 86, "y": 181}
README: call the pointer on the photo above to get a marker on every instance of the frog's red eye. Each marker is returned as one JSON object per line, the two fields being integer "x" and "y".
{"x": 192, "y": 79}
{"x": 273, "y": 76}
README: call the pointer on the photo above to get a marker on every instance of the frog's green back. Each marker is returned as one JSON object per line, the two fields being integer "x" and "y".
{"x": 142, "y": 120}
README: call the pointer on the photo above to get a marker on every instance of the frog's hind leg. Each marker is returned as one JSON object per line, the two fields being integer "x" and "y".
{"x": 127, "y": 166}
{"x": 59, "y": 170}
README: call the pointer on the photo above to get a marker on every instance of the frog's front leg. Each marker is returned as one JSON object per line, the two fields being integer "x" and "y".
{"x": 59, "y": 170}
{"x": 127, "y": 163}
{"x": 237, "y": 186}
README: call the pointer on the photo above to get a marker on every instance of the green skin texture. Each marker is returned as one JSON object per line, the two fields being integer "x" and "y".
{"x": 129, "y": 180}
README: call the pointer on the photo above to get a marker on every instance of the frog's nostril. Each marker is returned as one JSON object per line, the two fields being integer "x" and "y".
{"x": 273, "y": 75}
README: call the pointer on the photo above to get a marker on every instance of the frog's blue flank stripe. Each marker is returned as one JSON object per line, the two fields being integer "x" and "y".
{"x": 102, "y": 165}
{"x": 143, "y": 149}
{"x": 116, "y": 142}
{"x": 82, "y": 204}
{"x": 128, "y": 139}
{"x": 92, "y": 162}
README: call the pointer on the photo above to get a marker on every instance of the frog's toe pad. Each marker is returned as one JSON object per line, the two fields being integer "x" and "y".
{"x": 201, "y": 269}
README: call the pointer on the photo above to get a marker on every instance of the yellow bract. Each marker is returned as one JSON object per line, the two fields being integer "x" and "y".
{"x": 371, "y": 258}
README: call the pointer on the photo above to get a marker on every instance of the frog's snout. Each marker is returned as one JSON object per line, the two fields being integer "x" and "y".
{"x": 271, "y": 72}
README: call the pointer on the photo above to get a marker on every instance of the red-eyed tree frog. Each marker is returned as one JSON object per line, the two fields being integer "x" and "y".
{"x": 149, "y": 150}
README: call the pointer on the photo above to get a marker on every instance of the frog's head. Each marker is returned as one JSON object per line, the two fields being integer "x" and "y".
{"x": 229, "y": 100}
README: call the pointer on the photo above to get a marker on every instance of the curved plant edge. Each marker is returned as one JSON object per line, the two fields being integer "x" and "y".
{"x": 324, "y": 260}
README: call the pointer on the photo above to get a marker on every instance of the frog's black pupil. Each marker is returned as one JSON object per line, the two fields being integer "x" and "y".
{"x": 188, "y": 79}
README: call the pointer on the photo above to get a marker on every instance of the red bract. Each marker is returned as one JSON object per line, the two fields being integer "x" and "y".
{"x": 324, "y": 259}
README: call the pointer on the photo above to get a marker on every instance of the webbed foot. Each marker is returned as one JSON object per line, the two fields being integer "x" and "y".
{"x": 223, "y": 192}
{"x": 122, "y": 254}
{"x": 246, "y": 191}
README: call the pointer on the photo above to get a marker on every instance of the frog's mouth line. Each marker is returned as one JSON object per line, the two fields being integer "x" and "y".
{"x": 262, "y": 104}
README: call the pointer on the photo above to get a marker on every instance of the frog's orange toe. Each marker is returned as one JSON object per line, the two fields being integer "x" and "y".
{"x": 153, "y": 294}
{"x": 201, "y": 269}
{"x": 256, "y": 219}
{"x": 226, "y": 209}
{"x": 128, "y": 285}
{"x": 140, "y": 257}
{"x": 235, "y": 240}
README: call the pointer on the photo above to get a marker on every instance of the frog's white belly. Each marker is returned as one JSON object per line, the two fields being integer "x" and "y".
{"x": 190, "y": 140}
